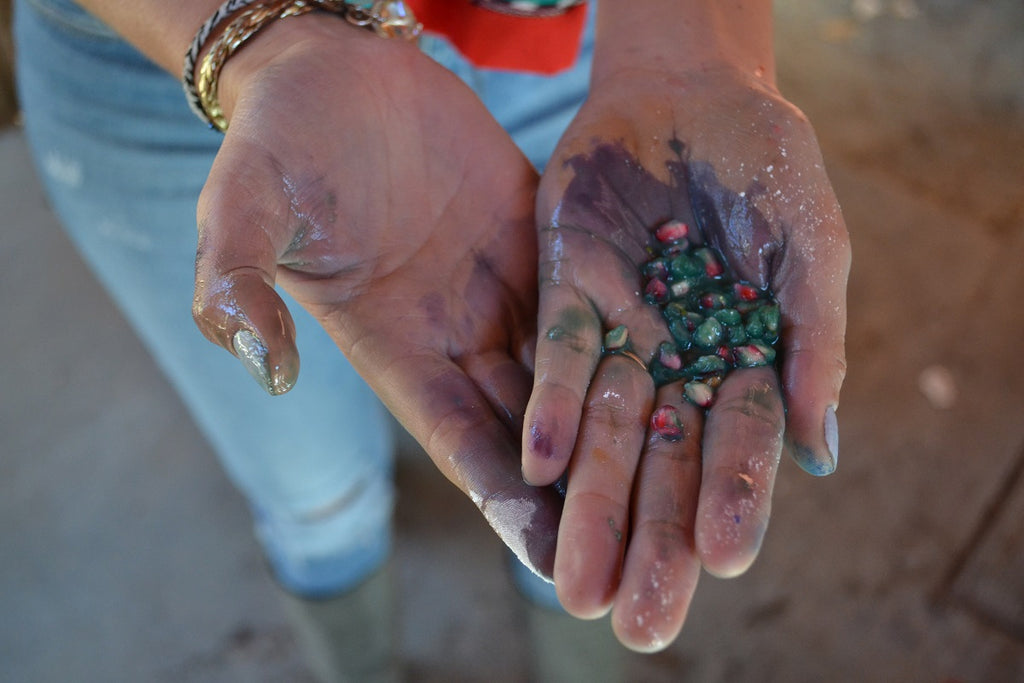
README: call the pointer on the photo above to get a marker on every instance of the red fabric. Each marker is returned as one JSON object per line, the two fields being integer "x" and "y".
{"x": 490, "y": 39}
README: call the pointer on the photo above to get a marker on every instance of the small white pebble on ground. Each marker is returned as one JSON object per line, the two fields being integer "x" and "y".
{"x": 938, "y": 385}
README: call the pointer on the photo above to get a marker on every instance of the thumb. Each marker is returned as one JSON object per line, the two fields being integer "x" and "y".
{"x": 243, "y": 218}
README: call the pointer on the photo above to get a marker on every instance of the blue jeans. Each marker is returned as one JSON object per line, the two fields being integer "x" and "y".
{"x": 123, "y": 160}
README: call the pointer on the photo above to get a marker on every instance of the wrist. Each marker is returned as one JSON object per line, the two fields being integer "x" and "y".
{"x": 315, "y": 34}
{"x": 684, "y": 38}
{"x": 315, "y": 31}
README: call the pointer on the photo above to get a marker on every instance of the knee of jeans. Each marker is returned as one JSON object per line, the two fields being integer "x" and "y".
{"x": 330, "y": 547}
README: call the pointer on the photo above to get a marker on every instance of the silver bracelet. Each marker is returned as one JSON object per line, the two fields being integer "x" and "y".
{"x": 188, "y": 74}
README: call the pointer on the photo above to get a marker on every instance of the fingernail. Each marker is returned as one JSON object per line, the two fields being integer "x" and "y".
{"x": 832, "y": 435}
{"x": 253, "y": 354}
{"x": 526, "y": 480}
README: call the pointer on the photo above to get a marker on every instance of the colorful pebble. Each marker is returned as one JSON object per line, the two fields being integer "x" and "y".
{"x": 706, "y": 365}
{"x": 685, "y": 267}
{"x": 672, "y": 232}
{"x": 666, "y": 423}
{"x": 699, "y": 393}
{"x": 668, "y": 356}
{"x": 746, "y": 292}
{"x": 708, "y": 334}
{"x": 616, "y": 339}
{"x": 714, "y": 300}
{"x": 771, "y": 316}
{"x": 728, "y": 316}
{"x": 681, "y": 288}
{"x": 656, "y": 268}
{"x": 750, "y": 356}
{"x": 716, "y": 322}
{"x": 680, "y": 332}
{"x": 712, "y": 266}
{"x": 656, "y": 291}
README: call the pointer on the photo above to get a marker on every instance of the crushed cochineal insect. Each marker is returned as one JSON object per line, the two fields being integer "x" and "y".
{"x": 717, "y": 323}
{"x": 666, "y": 423}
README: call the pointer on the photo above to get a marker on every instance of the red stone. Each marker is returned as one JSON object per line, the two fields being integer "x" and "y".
{"x": 657, "y": 290}
{"x": 672, "y": 231}
{"x": 666, "y": 423}
{"x": 746, "y": 292}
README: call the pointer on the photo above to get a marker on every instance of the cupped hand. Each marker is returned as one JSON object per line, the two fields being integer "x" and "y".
{"x": 727, "y": 155}
{"x": 374, "y": 187}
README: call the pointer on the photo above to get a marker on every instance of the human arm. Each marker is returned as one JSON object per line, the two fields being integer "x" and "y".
{"x": 683, "y": 121}
{"x": 372, "y": 184}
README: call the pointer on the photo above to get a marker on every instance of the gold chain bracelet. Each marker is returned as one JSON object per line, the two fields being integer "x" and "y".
{"x": 386, "y": 18}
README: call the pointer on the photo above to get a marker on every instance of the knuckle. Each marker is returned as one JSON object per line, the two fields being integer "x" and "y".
{"x": 754, "y": 412}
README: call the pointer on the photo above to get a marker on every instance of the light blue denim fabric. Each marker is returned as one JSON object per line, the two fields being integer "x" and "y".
{"x": 123, "y": 160}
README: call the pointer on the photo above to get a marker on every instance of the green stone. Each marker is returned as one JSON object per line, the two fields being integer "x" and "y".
{"x": 706, "y": 310}
{"x": 768, "y": 351}
{"x": 728, "y": 316}
{"x": 663, "y": 375}
{"x": 715, "y": 301}
{"x": 616, "y": 338}
{"x": 686, "y": 267}
{"x": 655, "y": 268}
{"x": 674, "y": 310}
{"x": 680, "y": 332}
{"x": 706, "y": 365}
{"x": 750, "y": 356}
{"x": 709, "y": 334}
{"x": 736, "y": 334}
{"x": 771, "y": 315}
{"x": 755, "y": 326}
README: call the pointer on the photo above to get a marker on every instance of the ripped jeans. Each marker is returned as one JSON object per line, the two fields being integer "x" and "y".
{"x": 123, "y": 160}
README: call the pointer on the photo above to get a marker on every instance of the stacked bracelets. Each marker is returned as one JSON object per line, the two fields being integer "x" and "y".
{"x": 236, "y": 21}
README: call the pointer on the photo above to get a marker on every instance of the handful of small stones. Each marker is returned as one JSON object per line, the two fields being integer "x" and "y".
{"x": 717, "y": 323}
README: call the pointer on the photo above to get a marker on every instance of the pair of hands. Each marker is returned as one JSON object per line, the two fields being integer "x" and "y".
{"x": 373, "y": 186}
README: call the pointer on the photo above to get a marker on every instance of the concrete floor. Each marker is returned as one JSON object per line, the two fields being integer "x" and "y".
{"x": 125, "y": 555}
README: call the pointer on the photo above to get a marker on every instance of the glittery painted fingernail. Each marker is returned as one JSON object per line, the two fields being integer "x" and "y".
{"x": 253, "y": 354}
{"x": 832, "y": 435}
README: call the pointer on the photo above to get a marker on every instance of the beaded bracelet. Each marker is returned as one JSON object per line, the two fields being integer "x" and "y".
{"x": 245, "y": 18}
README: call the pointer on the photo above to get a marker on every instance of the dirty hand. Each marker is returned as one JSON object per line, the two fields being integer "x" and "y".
{"x": 725, "y": 154}
{"x": 373, "y": 186}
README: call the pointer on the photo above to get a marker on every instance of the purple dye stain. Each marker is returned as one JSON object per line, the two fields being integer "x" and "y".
{"x": 677, "y": 233}
{"x": 540, "y": 443}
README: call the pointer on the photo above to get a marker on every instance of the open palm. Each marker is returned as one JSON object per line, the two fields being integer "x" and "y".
{"x": 400, "y": 215}
{"x": 740, "y": 165}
